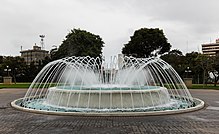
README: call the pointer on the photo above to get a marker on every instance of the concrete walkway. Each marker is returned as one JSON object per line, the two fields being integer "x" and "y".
{"x": 205, "y": 121}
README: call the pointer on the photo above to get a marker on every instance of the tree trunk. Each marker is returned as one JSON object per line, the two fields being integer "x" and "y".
{"x": 215, "y": 79}
{"x": 204, "y": 78}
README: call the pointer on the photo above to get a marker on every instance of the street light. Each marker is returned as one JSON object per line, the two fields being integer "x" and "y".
{"x": 15, "y": 71}
{"x": 7, "y": 69}
{"x": 187, "y": 71}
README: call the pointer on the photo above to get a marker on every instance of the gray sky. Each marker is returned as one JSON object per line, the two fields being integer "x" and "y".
{"x": 186, "y": 23}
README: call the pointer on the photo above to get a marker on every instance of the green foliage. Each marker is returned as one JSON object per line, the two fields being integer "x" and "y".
{"x": 203, "y": 66}
{"x": 175, "y": 52}
{"x": 17, "y": 85}
{"x": 200, "y": 66}
{"x": 15, "y": 64}
{"x": 80, "y": 43}
{"x": 201, "y": 86}
{"x": 146, "y": 42}
{"x": 176, "y": 59}
{"x": 181, "y": 64}
{"x": 19, "y": 71}
{"x": 215, "y": 68}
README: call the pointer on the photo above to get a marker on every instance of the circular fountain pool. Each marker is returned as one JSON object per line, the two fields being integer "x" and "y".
{"x": 88, "y": 86}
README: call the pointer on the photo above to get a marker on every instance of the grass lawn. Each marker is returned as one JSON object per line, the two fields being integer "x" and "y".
{"x": 17, "y": 85}
{"x": 208, "y": 86}
{"x": 26, "y": 85}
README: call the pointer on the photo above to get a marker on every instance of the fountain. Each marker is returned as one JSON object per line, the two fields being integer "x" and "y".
{"x": 126, "y": 86}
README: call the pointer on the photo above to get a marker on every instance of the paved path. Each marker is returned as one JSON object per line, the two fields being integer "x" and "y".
{"x": 205, "y": 121}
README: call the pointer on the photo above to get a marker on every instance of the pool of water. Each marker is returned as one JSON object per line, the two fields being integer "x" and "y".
{"x": 38, "y": 104}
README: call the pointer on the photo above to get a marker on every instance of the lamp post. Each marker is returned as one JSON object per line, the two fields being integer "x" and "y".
{"x": 187, "y": 71}
{"x": 188, "y": 81}
{"x": 15, "y": 71}
{"x": 7, "y": 79}
{"x": 7, "y": 69}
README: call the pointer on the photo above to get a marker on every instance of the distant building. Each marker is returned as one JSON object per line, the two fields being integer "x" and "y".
{"x": 211, "y": 49}
{"x": 34, "y": 55}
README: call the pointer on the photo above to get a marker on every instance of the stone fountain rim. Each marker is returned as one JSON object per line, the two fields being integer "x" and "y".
{"x": 199, "y": 106}
{"x": 108, "y": 91}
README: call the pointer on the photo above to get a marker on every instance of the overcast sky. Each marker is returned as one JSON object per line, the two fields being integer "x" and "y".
{"x": 186, "y": 23}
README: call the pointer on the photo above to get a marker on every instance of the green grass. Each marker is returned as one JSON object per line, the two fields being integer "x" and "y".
{"x": 17, "y": 85}
{"x": 26, "y": 85}
{"x": 208, "y": 86}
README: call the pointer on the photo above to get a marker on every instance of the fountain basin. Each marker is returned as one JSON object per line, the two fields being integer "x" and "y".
{"x": 107, "y": 99}
{"x": 199, "y": 104}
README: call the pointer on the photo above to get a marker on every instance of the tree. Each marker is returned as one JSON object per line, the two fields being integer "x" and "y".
{"x": 53, "y": 54}
{"x": 80, "y": 43}
{"x": 16, "y": 65}
{"x": 194, "y": 62}
{"x": 175, "y": 52}
{"x": 206, "y": 64}
{"x": 215, "y": 69}
{"x": 146, "y": 42}
{"x": 176, "y": 59}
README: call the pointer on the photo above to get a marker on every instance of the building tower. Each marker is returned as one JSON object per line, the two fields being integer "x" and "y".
{"x": 211, "y": 49}
{"x": 35, "y": 55}
{"x": 42, "y": 41}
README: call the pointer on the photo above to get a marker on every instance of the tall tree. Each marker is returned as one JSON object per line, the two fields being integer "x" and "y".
{"x": 176, "y": 59}
{"x": 146, "y": 42}
{"x": 206, "y": 64}
{"x": 16, "y": 65}
{"x": 193, "y": 62}
{"x": 215, "y": 69}
{"x": 80, "y": 43}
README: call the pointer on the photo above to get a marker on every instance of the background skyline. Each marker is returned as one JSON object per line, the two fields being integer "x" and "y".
{"x": 186, "y": 24}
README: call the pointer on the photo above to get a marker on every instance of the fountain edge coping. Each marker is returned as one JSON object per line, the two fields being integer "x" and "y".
{"x": 200, "y": 105}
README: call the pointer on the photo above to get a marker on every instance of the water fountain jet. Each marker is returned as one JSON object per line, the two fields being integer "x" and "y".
{"x": 126, "y": 86}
